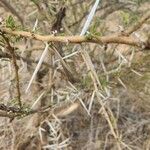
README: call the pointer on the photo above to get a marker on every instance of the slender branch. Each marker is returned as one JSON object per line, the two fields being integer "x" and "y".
{"x": 12, "y": 53}
{"x": 77, "y": 39}
{"x": 12, "y": 112}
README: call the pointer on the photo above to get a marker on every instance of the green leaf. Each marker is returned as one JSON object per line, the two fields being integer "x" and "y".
{"x": 125, "y": 18}
{"x": 35, "y": 1}
{"x": 129, "y": 18}
{"x": 10, "y": 22}
{"x": 95, "y": 26}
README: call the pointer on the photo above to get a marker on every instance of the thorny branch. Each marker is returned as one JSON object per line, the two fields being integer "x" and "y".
{"x": 12, "y": 53}
{"x": 120, "y": 39}
{"x": 11, "y": 111}
{"x": 77, "y": 39}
